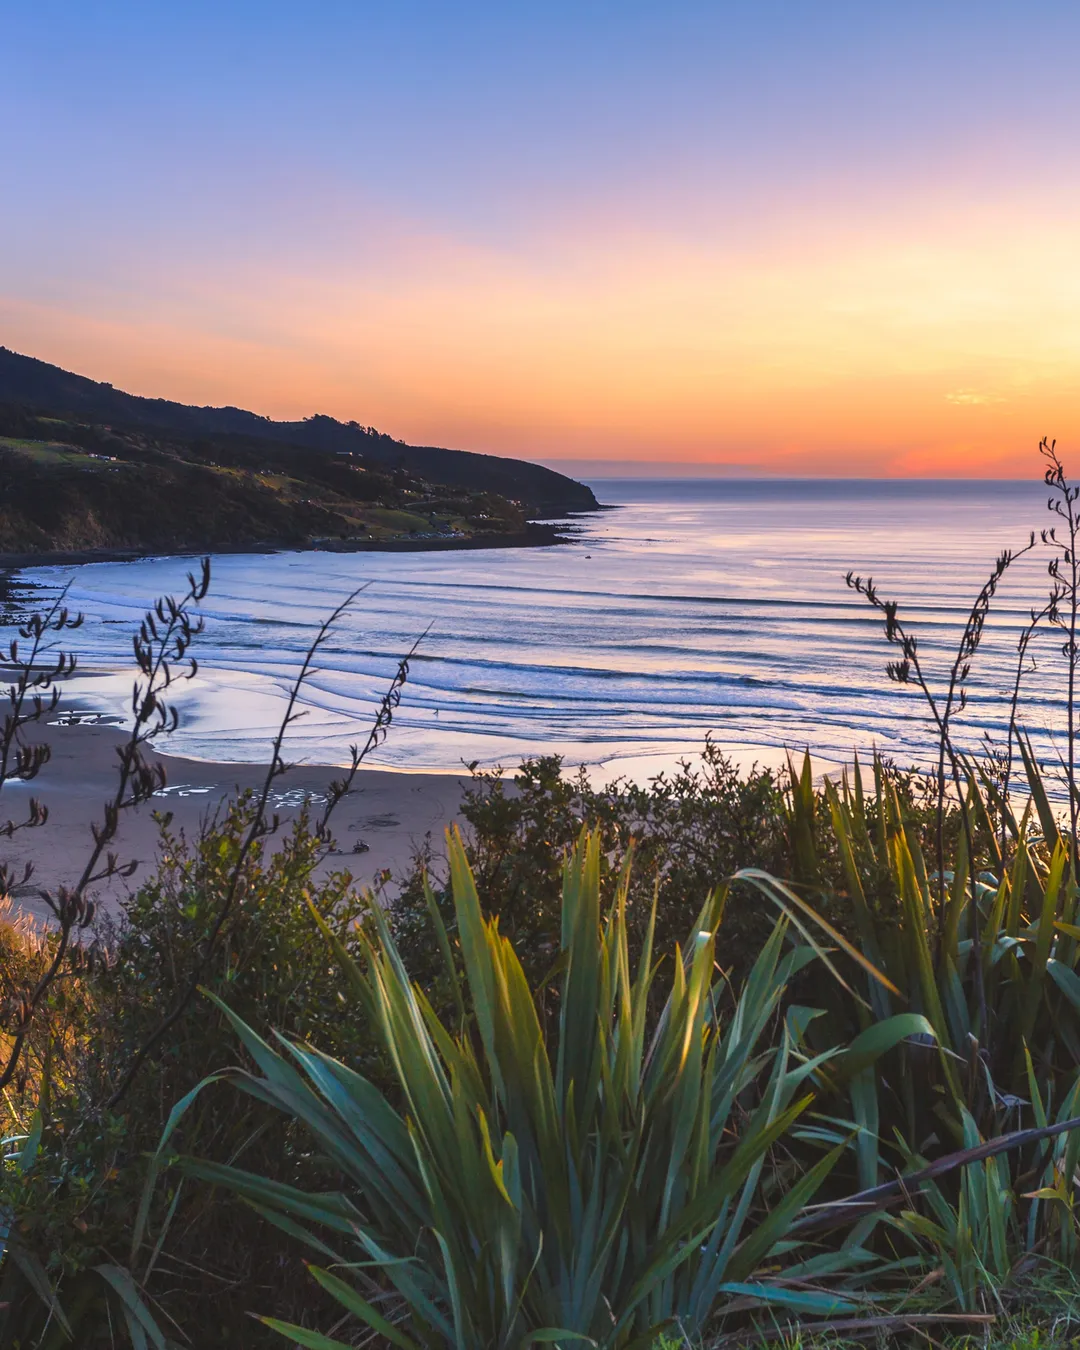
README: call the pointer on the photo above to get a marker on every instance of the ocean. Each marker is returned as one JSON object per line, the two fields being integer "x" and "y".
{"x": 690, "y": 608}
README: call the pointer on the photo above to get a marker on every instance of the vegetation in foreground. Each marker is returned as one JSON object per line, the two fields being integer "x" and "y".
{"x": 608, "y": 1082}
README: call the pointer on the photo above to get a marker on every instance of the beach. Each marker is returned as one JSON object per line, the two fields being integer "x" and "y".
{"x": 393, "y": 813}
{"x": 667, "y": 621}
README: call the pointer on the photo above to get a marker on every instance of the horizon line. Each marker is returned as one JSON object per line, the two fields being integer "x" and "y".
{"x": 579, "y": 469}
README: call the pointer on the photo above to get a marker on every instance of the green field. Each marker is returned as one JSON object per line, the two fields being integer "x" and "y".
{"x": 52, "y": 452}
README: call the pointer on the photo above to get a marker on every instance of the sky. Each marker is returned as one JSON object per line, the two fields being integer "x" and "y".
{"x": 761, "y": 238}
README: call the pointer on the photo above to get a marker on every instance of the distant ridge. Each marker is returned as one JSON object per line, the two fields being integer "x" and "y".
{"x": 42, "y": 387}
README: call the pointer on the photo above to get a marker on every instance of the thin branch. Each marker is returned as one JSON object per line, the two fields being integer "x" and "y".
{"x": 163, "y": 638}
{"x": 340, "y": 787}
{"x": 907, "y": 670}
{"x": 836, "y": 1213}
{"x": 161, "y": 643}
{"x": 258, "y": 828}
{"x": 1063, "y": 503}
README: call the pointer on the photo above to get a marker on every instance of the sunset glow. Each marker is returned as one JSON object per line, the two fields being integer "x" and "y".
{"x": 594, "y": 265}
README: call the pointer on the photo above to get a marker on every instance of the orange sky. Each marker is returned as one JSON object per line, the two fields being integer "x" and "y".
{"x": 945, "y": 351}
{"x": 907, "y": 303}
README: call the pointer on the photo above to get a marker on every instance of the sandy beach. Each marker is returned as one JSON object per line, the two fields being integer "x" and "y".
{"x": 392, "y": 813}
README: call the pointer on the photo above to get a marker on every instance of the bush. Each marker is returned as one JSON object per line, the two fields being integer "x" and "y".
{"x": 73, "y": 1209}
{"x": 690, "y": 830}
{"x": 502, "y": 1136}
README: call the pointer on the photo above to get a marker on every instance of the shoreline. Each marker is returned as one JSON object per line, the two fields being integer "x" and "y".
{"x": 392, "y": 814}
{"x": 536, "y": 535}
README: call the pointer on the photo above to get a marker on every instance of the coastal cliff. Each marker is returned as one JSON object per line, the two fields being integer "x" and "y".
{"x": 40, "y": 387}
{"x": 86, "y": 469}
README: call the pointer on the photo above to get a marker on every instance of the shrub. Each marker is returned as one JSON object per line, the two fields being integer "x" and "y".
{"x": 73, "y": 1209}
{"x": 690, "y": 830}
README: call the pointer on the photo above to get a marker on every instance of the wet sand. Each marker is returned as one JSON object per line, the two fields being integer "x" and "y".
{"x": 392, "y": 813}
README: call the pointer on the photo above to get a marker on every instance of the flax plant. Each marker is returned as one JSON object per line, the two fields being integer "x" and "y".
{"x": 591, "y": 1182}
{"x": 1063, "y": 611}
{"x": 947, "y": 1089}
{"x": 1007, "y": 1211}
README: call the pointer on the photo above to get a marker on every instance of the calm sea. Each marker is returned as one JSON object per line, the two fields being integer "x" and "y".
{"x": 694, "y": 607}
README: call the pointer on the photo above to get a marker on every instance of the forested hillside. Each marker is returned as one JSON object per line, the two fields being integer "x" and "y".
{"x": 68, "y": 485}
{"x": 41, "y": 387}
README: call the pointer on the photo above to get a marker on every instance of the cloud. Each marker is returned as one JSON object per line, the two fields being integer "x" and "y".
{"x": 659, "y": 468}
{"x": 972, "y": 397}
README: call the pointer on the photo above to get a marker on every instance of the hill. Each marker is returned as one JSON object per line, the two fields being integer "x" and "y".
{"x": 84, "y": 488}
{"x": 41, "y": 387}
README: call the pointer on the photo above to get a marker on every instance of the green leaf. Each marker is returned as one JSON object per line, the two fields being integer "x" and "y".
{"x": 310, "y": 1340}
{"x": 1066, "y": 980}
{"x": 786, "y": 899}
{"x": 444, "y": 947}
{"x": 616, "y": 1188}
{"x": 1047, "y": 819}
{"x": 551, "y": 1335}
{"x": 34, "y": 1273}
{"x": 774, "y": 1295}
{"x": 135, "y": 1309}
{"x": 877, "y": 1040}
{"x": 347, "y": 1296}
{"x": 31, "y": 1145}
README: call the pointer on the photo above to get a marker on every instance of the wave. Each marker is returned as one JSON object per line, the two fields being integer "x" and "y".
{"x": 665, "y": 620}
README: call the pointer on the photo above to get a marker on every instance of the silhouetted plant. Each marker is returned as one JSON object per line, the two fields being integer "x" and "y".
{"x": 1025, "y": 665}
{"x": 943, "y": 705}
{"x": 161, "y": 645}
{"x": 339, "y": 788}
{"x": 1063, "y": 608}
{"x": 39, "y": 672}
{"x": 260, "y": 824}
{"x": 228, "y": 914}
{"x": 167, "y": 945}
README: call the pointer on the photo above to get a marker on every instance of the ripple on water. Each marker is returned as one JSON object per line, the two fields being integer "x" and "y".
{"x": 696, "y": 607}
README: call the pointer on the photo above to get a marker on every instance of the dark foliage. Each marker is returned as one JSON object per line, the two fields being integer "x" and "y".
{"x": 230, "y": 915}
{"x": 74, "y": 1208}
{"x": 42, "y": 387}
{"x": 690, "y": 830}
{"x": 66, "y": 485}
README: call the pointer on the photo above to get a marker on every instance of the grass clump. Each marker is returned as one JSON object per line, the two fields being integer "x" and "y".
{"x": 589, "y": 1177}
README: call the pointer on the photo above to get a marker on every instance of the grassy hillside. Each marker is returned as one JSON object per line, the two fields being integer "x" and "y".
{"x": 68, "y": 485}
{"x": 42, "y": 387}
